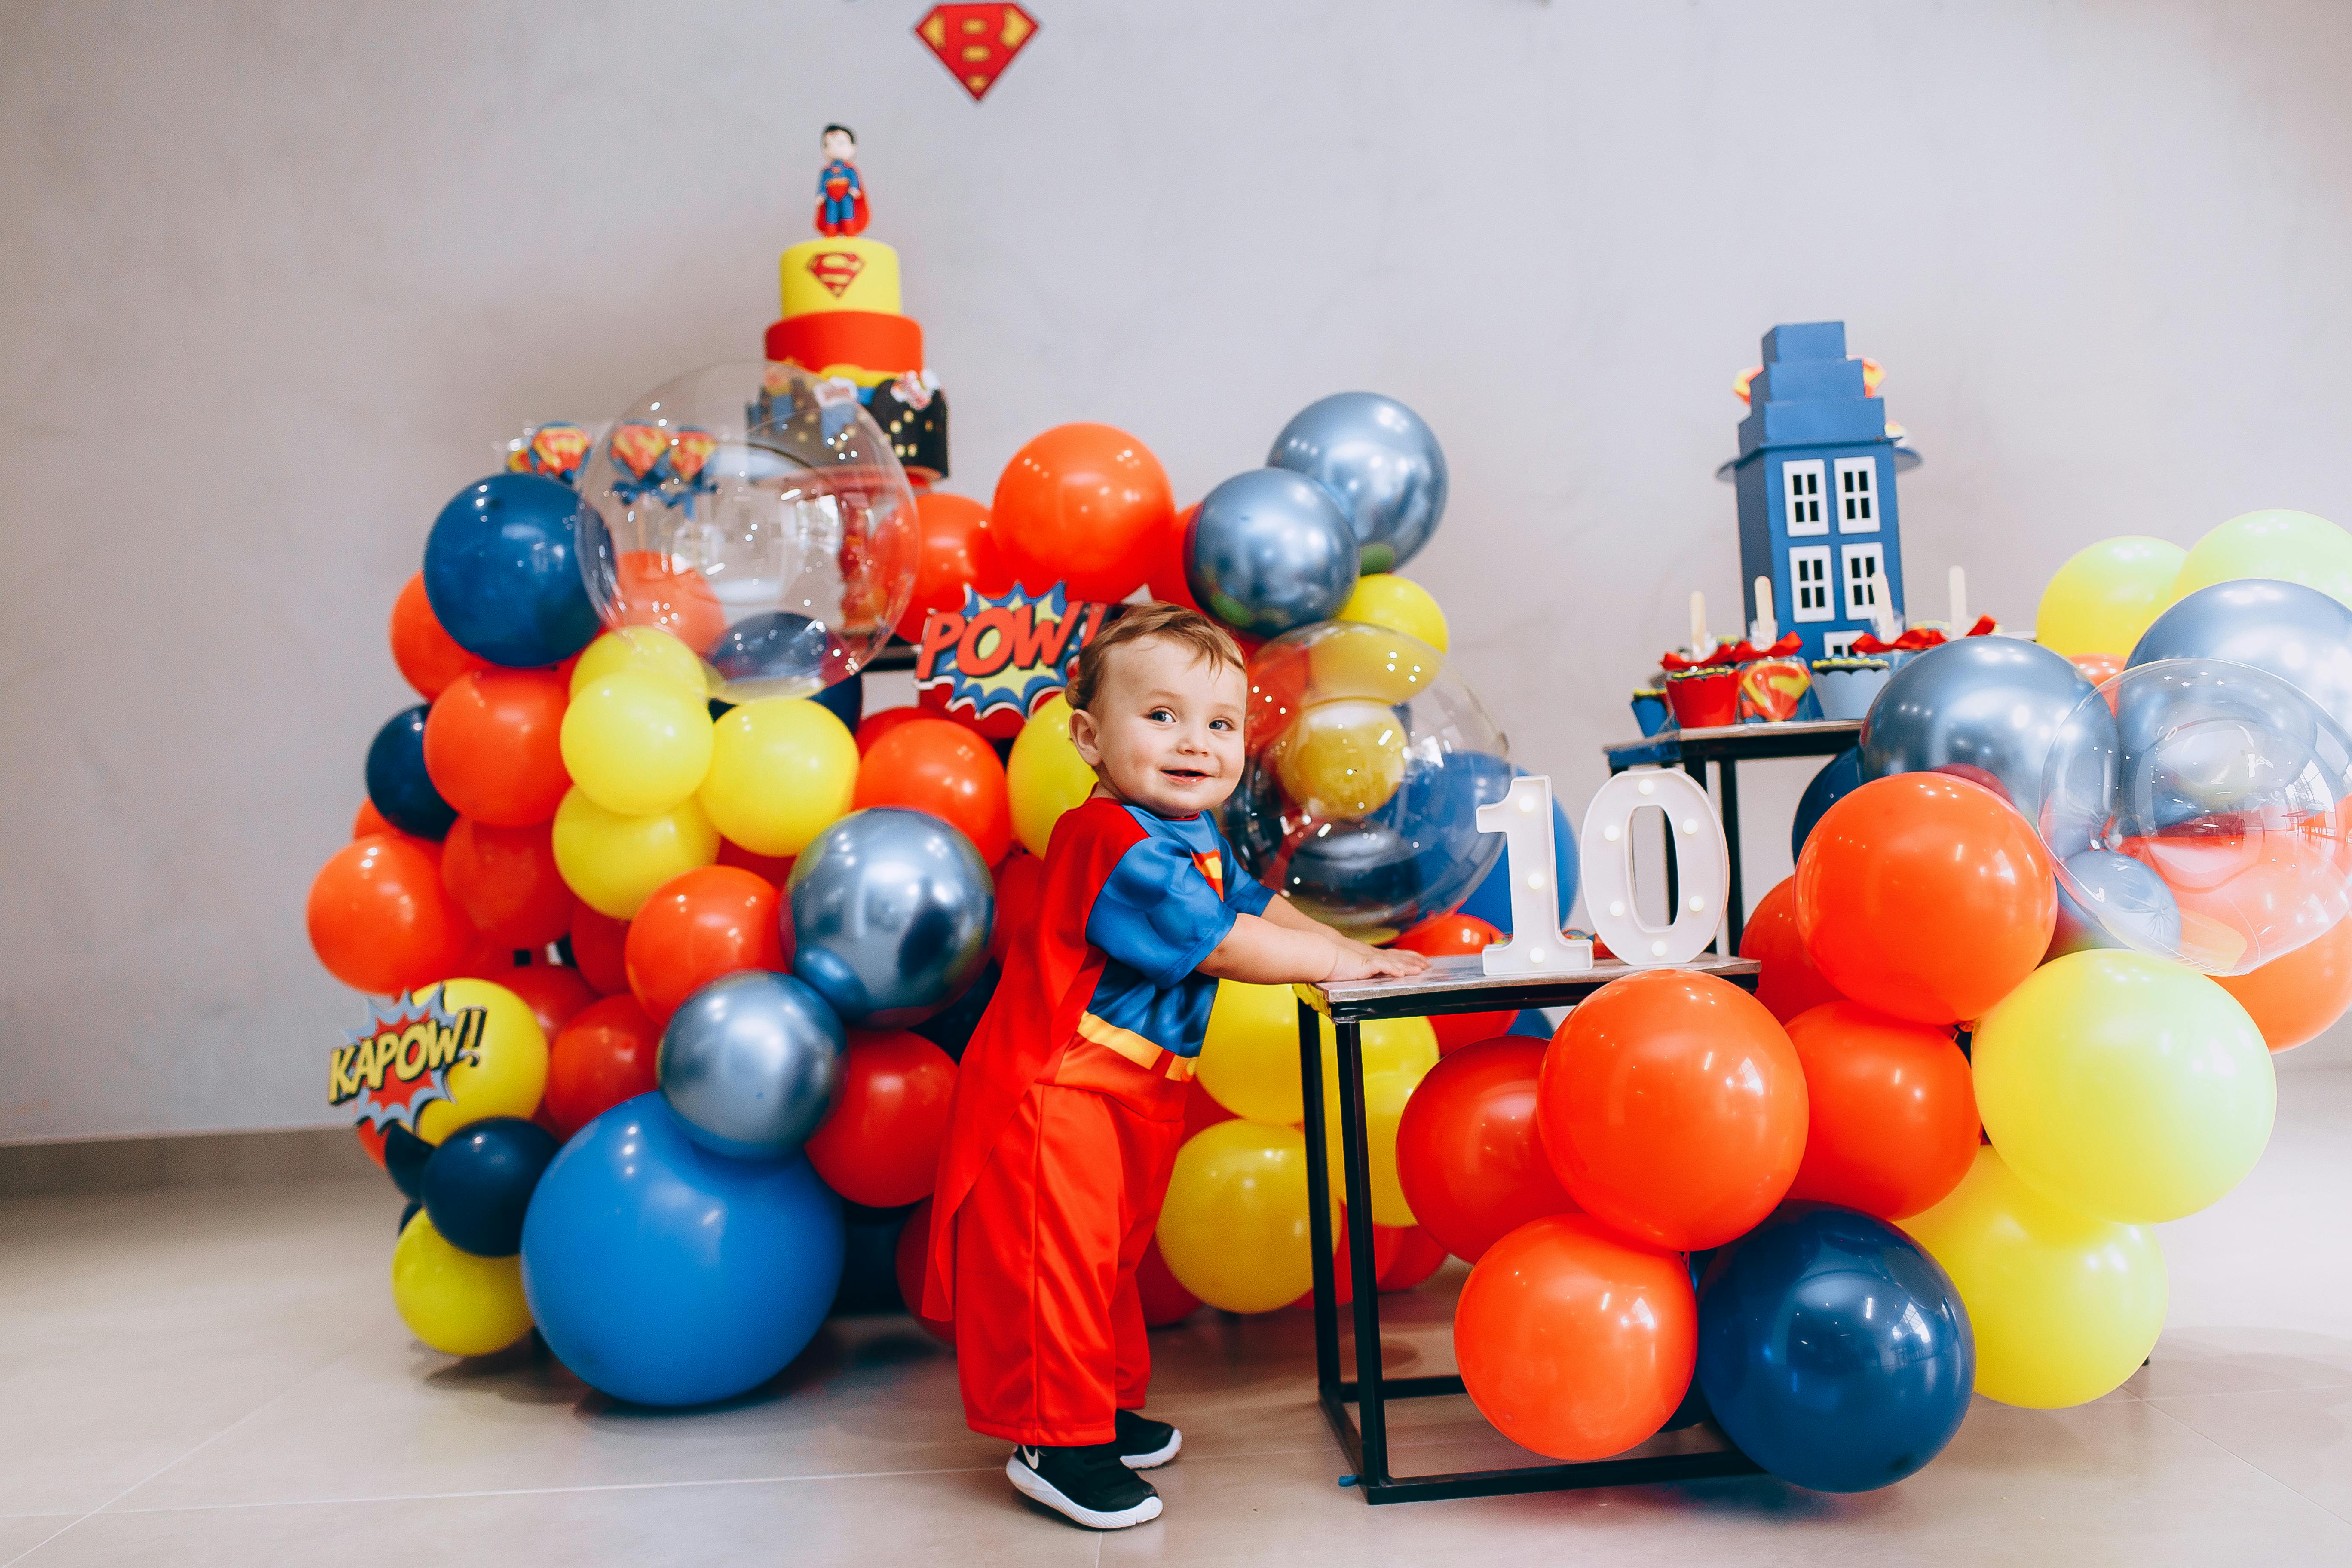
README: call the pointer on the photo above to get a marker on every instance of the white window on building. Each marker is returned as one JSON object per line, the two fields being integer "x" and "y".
{"x": 1857, "y": 495}
{"x": 1809, "y": 580}
{"x": 1800, "y": 490}
{"x": 1865, "y": 566}
{"x": 1839, "y": 644}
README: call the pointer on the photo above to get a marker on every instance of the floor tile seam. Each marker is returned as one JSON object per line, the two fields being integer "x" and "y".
{"x": 2283, "y": 1485}
{"x": 554, "y": 1491}
{"x": 2248, "y": 1392}
{"x": 43, "y": 1542}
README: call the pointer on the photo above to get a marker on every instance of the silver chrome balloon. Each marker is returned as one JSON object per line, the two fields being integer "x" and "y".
{"x": 1270, "y": 551}
{"x": 2298, "y": 634}
{"x": 2124, "y": 905}
{"x": 891, "y": 911}
{"x": 750, "y": 1063}
{"x": 1984, "y": 708}
{"x": 1380, "y": 459}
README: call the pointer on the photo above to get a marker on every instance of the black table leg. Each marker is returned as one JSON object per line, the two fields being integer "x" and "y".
{"x": 1372, "y": 1402}
{"x": 1735, "y": 914}
{"x": 1318, "y": 1206}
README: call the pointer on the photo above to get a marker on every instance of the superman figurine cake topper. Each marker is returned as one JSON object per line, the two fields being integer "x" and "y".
{"x": 840, "y": 194}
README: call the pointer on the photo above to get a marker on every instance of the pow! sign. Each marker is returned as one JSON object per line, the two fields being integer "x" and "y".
{"x": 398, "y": 1062}
{"x": 1002, "y": 657}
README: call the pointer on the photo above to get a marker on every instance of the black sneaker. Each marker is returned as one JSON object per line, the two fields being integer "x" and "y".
{"x": 1144, "y": 1444}
{"x": 1088, "y": 1485}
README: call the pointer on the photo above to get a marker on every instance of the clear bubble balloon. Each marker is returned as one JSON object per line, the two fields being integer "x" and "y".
{"x": 759, "y": 515}
{"x": 1368, "y": 759}
{"x": 2196, "y": 809}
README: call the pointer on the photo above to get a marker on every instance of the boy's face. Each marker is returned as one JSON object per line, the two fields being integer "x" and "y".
{"x": 838, "y": 147}
{"x": 1165, "y": 731}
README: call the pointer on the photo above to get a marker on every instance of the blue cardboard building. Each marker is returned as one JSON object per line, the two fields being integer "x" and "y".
{"x": 1815, "y": 476}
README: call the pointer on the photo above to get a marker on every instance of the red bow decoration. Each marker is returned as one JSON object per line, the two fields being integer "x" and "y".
{"x": 1740, "y": 652}
{"x": 1917, "y": 638}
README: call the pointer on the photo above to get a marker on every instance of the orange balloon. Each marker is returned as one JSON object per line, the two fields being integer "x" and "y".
{"x": 912, "y": 1256}
{"x": 1891, "y": 1124}
{"x": 1419, "y": 1255}
{"x": 1201, "y": 1110}
{"x": 428, "y": 656}
{"x": 650, "y": 590}
{"x": 1673, "y": 1108}
{"x": 1082, "y": 505}
{"x": 935, "y": 766}
{"x": 1455, "y": 934}
{"x": 1574, "y": 1340}
{"x": 554, "y": 994}
{"x": 957, "y": 549}
{"x": 506, "y": 881}
{"x": 880, "y": 1143}
{"x": 1020, "y": 880}
{"x": 694, "y": 928}
{"x": 1790, "y": 984}
{"x": 380, "y": 918}
{"x": 603, "y": 1056}
{"x": 1467, "y": 1155}
{"x": 368, "y": 819}
{"x": 493, "y": 748}
{"x": 2098, "y": 668}
{"x": 598, "y": 949}
{"x": 2239, "y": 893}
{"x": 1925, "y": 896}
{"x": 2294, "y": 998}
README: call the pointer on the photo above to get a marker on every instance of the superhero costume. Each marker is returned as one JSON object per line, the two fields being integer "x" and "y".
{"x": 1069, "y": 1107}
{"x": 840, "y": 199}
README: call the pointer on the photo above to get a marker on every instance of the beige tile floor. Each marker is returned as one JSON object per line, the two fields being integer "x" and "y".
{"x": 217, "y": 1377}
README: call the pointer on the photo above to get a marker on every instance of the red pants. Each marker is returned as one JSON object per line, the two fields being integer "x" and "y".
{"x": 1049, "y": 1333}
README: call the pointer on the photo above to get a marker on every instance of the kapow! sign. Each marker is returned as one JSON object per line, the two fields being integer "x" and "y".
{"x": 1007, "y": 654}
{"x": 397, "y": 1063}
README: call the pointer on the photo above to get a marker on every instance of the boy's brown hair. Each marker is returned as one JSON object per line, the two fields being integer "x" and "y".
{"x": 1210, "y": 643}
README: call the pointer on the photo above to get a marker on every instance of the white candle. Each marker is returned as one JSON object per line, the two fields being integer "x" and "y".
{"x": 1700, "y": 644}
{"x": 1767, "y": 630}
{"x": 1960, "y": 582}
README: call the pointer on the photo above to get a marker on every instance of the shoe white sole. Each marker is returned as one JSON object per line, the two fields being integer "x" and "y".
{"x": 1157, "y": 1456}
{"x": 1036, "y": 1487}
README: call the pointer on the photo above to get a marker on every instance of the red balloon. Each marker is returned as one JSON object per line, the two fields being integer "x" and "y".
{"x": 1925, "y": 896}
{"x": 957, "y": 549}
{"x": 1019, "y": 881}
{"x": 876, "y": 724}
{"x": 944, "y": 769}
{"x": 1891, "y": 1120}
{"x": 774, "y": 868}
{"x": 2294, "y": 998}
{"x": 1164, "y": 1300}
{"x": 1386, "y": 1242}
{"x": 1789, "y": 983}
{"x": 554, "y": 994}
{"x": 1164, "y": 571}
{"x": 1575, "y": 1341}
{"x": 504, "y": 880}
{"x": 493, "y": 746}
{"x": 1673, "y": 1108}
{"x": 1419, "y": 1254}
{"x": 485, "y": 958}
{"x": 880, "y": 1144}
{"x": 428, "y": 656}
{"x": 694, "y": 928}
{"x": 1201, "y": 1110}
{"x": 1437, "y": 937}
{"x": 1278, "y": 694}
{"x": 380, "y": 918}
{"x": 1082, "y": 505}
{"x": 603, "y": 1056}
{"x": 911, "y": 1258}
{"x": 599, "y": 949}
{"x": 1468, "y": 1156}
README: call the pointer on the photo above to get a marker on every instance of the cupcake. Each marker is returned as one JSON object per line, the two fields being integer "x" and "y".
{"x": 1650, "y": 709}
{"x": 1847, "y": 687}
{"x": 1704, "y": 697}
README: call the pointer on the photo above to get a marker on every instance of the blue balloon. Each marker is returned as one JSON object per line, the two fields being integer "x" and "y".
{"x": 1350, "y": 874}
{"x": 1832, "y": 1351}
{"x": 891, "y": 912}
{"x": 1841, "y": 777}
{"x": 503, "y": 575}
{"x": 398, "y": 785}
{"x": 2300, "y": 635}
{"x": 1987, "y": 709}
{"x": 844, "y": 699}
{"x": 480, "y": 1181}
{"x": 664, "y": 1274}
{"x": 1491, "y": 900}
{"x": 1435, "y": 811}
{"x": 776, "y": 646}
{"x": 869, "y": 1268}
{"x": 2124, "y": 904}
{"x": 1381, "y": 460}
{"x": 409, "y": 1212}
{"x": 950, "y": 1028}
{"x": 1270, "y": 551}
{"x": 751, "y": 1064}
{"x": 405, "y": 1156}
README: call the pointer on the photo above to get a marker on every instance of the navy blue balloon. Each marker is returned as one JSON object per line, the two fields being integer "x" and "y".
{"x": 776, "y": 646}
{"x": 665, "y": 1274}
{"x": 405, "y": 1155}
{"x": 407, "y": 1214}
{"x": 1491, "y": 900}
{"x": 844, "y": 699}
{"x": 1350, "y": 874}
{"x": 1840, "y": 777}
{"x": 398, "y": 785}
{"x": 950, "y": 1029}
{"x": 480, "y": 1181}
{"x": 503, "y": 575}
{"x": 869, "y": 1267}
{"x": 1832, "y": 1351}
{"x": 1435, "y": 811}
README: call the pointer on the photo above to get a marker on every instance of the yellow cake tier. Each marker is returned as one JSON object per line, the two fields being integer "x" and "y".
{"x": 842, "y": 274}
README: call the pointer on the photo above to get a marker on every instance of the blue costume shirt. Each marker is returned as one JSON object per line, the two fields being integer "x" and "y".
{"x": 1171, "y": 900}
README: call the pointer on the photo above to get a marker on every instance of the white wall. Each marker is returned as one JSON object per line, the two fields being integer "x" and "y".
{"x": 280, "y": 278}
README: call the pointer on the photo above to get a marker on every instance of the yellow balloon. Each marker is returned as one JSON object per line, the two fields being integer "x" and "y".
{"x": 2063, "y": 1307}
{"x": 1234, "y": 1227}
{"x": 636, "y": 742}
{"x": 1249, "y": 1057}
{"x": 1385, "y": 1094}
{"x": 1385, "y": 599}
{"x": 2124, "y": 1085}
{"x": 783, "y": 769}
{"x": 1351, "y": 659}
{"x": 2104, "y": 597}
{"x": 1045, "y": 776}
{"x": 497, "y": 1057}
{"x": 2294, "y": 546}
{"x": 456, "y": 1302}
{"x": 1342, "y": 758}
{"x": 648, "y": 648}
{"x": 615, "y": 862}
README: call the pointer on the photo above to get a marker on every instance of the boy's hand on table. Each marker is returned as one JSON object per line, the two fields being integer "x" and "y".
{"x": 1356, "y": 961}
